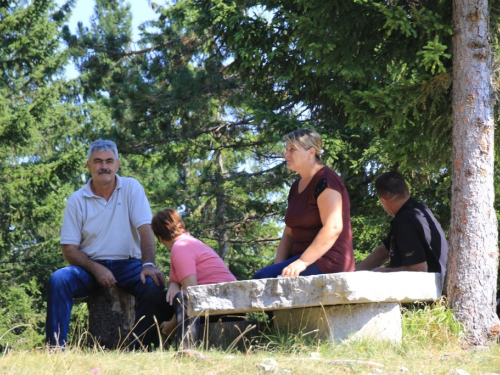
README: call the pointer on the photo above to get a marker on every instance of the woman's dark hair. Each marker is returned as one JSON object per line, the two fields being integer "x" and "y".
{"x": 391, "y": 185}
{"x": 167, "y": 224}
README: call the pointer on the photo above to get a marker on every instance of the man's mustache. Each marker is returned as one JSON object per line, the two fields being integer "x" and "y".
{"x": 101, "y": 171}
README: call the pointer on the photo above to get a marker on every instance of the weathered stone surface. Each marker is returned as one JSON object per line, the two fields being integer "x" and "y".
{"x": 375, "y": 321}
{"x": 111, "y": 316}
{"x": 309, "y": 291}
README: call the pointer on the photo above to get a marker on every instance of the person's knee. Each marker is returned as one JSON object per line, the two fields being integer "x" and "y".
{"x": 144, "y": 293}
{"x": 71, "y": 282}
{"x": 181, "y": 297}
{"x": 259, "y": 274}
{"x": 59, "y": 279}
{"x": 264, "y": 273}
{"x": 150, "y": 287}
{"x": 181, "y": 303}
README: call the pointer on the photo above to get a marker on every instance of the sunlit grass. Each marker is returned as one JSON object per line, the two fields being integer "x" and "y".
{"x": 431, "y": 345}
{"x": 432, "y": 324}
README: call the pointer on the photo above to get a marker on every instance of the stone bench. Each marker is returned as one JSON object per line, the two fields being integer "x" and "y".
{"x": 112, "y": 316}
{"x": 336, "y": 307}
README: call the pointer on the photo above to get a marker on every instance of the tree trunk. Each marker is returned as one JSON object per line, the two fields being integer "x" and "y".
{"x": 111, "y": 316}
{"x": 473, "y": 255}
{"x": 222, "y": 235}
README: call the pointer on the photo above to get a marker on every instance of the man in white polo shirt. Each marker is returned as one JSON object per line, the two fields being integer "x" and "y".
{"x": 106, "y": 238}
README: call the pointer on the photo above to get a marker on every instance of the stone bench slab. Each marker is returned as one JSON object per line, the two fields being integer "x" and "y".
{"x": 308, "y": 291}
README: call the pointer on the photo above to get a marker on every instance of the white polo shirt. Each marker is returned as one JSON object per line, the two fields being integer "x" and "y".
{"x": 107, "y": 229}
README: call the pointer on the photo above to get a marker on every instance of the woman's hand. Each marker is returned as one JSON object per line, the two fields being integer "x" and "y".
{"x": 173, "y": 289}
{"x": 294, "y": 269}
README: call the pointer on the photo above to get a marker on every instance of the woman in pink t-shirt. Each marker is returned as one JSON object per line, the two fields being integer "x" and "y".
{"x": 191, "y": 263}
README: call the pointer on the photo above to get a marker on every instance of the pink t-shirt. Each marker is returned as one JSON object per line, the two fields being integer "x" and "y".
{"x": 190, "y": 256}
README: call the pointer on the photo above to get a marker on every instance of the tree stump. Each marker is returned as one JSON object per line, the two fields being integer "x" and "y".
{"x": 111, "y": 316}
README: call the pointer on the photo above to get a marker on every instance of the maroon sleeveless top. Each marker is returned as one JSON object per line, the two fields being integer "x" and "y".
{"x": 303, "y": 218}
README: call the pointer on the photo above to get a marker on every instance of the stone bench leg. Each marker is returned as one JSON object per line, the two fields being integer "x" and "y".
{"x": 111, "y": 316}
{"x": 379, "y": 321}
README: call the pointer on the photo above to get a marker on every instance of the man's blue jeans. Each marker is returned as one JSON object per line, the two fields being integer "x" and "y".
{"x": 74, "y": 282}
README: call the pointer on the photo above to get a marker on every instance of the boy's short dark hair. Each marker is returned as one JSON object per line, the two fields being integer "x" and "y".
{"x": 391, "y": 185}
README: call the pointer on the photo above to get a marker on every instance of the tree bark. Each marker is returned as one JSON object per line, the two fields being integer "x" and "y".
{"x": 222, "y": 235}
{"x": 111, "y": 316}
{"x": 473, "y": 254}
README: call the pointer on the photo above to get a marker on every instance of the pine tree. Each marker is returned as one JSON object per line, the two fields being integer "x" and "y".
{"x": 372, "y": 76}
{"x": 186, "y": 128}
{"x": 377, "y": 76}
{"x": 39, "y": 162}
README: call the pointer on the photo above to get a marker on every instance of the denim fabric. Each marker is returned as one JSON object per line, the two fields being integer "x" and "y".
{"x": 74, "y": 282}
{"x": 274, "y": 270}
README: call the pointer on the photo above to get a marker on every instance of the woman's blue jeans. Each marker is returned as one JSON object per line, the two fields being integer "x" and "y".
{"x": 74, "y": 282}
{"x": 274, "y": 270}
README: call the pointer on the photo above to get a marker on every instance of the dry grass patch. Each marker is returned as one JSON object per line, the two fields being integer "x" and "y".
{"x": 359, "y": 358}
{"x": 431, "y": 345}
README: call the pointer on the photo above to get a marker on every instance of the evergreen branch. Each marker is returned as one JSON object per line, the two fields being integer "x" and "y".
{"x": 246, "y": 241}
{"x": 237, "y": 145}
{"x": 250, "y": 218}
{"x": 100, "y": 48}
{"x": 259, "y": 173}
{"x": 12, "y": 261}
{"x": 211, "y": 130}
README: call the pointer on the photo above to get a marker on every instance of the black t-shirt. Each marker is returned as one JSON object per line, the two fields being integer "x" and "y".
{"x": 416, "y": 237}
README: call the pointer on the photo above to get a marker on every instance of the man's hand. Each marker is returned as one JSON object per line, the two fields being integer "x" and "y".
{"x": 102, "y": 274}
{"x": 294, "y": 269}
{"x": 155, "y": 274}
{"x": 375, "y": 260}
{"x": 419, "y": 267}
{"x": 381, "y": 269}
{"x": 173, "y": 289}
{"x": 105, "y": 277}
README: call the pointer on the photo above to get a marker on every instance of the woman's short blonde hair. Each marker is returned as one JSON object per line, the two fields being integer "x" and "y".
{"x": 167, "y": 224}
{"x": 306, "y": 138}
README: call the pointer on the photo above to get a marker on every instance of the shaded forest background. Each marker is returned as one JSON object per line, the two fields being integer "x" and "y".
{"x": 198, "y": 106}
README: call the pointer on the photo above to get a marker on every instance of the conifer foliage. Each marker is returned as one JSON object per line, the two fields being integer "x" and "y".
{"x": 39, "y": 163}
{"x": 185, "y": 127}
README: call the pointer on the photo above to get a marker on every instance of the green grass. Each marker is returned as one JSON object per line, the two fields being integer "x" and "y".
{"x": 346, "y": 358}
{"x": 431, "y": 345}
{"x": 432, "y": 324}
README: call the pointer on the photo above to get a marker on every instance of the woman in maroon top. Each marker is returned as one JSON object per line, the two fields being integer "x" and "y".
{"x": 317, "y": 237}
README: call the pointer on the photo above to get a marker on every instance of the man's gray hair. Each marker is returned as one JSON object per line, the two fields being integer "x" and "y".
{"x": 101, "y": 145}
